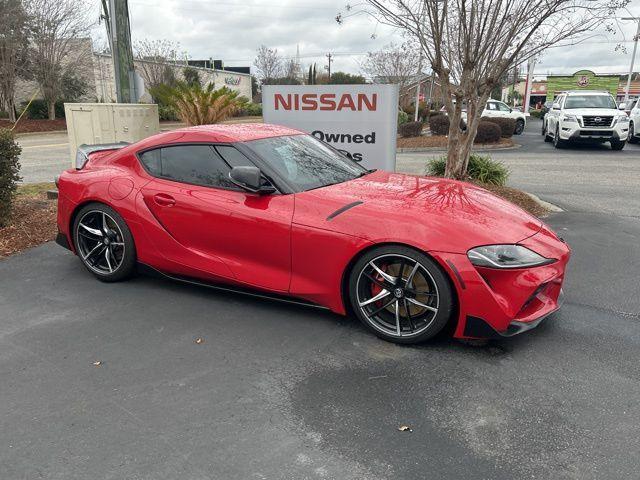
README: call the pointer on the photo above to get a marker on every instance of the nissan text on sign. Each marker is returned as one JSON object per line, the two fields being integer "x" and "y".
{"x": 359, "y": 120}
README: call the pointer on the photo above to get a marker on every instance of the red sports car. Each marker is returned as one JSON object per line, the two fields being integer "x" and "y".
{"x": 275, "y": 212}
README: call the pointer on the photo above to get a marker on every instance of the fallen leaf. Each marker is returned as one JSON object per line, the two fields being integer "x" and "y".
{"x": 199, "y": 340}
{"x": 405, "y": 428}
{"x": 97, "y": 363}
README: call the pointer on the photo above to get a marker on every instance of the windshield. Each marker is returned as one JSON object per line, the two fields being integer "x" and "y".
{"x": 304, "y": 162}
{"x": 589, "y": 101}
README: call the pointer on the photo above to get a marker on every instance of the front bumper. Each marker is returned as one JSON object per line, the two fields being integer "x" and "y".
{"x": 575, "y": 133}
{"x": 505, "y": 302}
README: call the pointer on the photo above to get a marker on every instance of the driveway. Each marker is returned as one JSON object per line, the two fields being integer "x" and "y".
{"x": 283, "y": 392}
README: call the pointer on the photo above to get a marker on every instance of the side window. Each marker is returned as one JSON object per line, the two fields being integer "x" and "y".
{"x": 503, "y": 107}
{"x": 196, "y": 164}
{"x": 491, "y": 106}
{"x": 233, "y": 157}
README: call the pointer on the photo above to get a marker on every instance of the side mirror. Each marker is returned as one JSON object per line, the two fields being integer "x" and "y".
{"x": 250, "y": 179}
{"x": 555, "y": 106}
{"x": 622, "y": 106}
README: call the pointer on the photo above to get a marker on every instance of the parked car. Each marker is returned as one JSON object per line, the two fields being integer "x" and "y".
{"x": 546, "y": 106}
{"x": 626, "y": 107}
{"x": 591, "y": 116}
{"x": 275, "y": 212}
{"x": 634, "y": 123}
{"x": 497, "y": 109}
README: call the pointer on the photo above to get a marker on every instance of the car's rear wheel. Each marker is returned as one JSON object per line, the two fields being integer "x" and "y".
{"x": 104, "y": 242}
{"x": 632, "y": 134}
{"x": 400, "y": 294}
{"x": 519, "y": 127}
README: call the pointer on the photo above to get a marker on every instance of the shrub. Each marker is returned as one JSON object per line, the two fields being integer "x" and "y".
{"x": 166, "y": 112}
{"x": 535, "y": 113}
{"x": 250, "y": 110}
{"x": 38, "y": 110}
{"x": 197, "y": 105}
{"x": 439, "y": 124}
{"x": 9, "y": 168}
{"x": 191, "y": 76}
{"x": 410, "y": 129}
{"x": 488, "y": 132}
{"x": 402, "y": 118}
{"x": 481, "y": 168}
{"x": 507, "y": 126}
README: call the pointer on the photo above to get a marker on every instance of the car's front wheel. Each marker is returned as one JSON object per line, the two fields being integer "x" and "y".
{"x": 400, "y": 294}
{"x": 519, "y": 127}
{"x": 557, "y": 141}
{"x": 104, "y": 242}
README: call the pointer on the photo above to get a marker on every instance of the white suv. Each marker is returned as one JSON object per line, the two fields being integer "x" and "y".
{"x": 634, "y": 123}
{"x": 497, "y": 109}
{"x": 586, "y": 116}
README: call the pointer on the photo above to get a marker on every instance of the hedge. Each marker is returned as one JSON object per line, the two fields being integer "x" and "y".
{"x": 410, "y": 129}
{"x": 9, "y": 177}
{"x": 507, "y": 125}
{"x": 439, "y": 125}
{"x": 488, "y": 132}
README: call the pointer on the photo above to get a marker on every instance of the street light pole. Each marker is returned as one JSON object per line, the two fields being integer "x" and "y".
{"x": 633, "y": 56}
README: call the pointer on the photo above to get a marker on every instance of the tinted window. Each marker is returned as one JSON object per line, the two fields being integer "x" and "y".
{"x": 197, "y": 164}
{"x": 491, "y": 106}
{"x": 305, "y": 162}
{"x": 233, "y": 157}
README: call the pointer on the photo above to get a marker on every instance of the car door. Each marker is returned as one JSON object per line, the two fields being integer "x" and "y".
{"x": 554, "y": 114}
{"x": 219, "y": 227}
{"x": 505, "y": 111}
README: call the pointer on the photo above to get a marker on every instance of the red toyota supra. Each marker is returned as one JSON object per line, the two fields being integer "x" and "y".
{"x": 272, "y": 211}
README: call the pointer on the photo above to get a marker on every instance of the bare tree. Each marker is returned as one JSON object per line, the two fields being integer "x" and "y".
{"x": 268, "y": 63}
{"x": 59, "y": 44}
{"x": 155, "y": 60}
{"x": 471, "y": 44}
{"x": 13, "y": 25}
{"x": 393, "y": 64}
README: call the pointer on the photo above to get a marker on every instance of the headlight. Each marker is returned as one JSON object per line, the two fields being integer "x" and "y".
{"x": 506, "y": 256}
{"x": 623, "y": 119}
{"x": 570, "y": 118}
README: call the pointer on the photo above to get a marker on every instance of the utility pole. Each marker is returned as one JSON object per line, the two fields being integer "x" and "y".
{"x": 527, "y": 86}
{"x": 633, "y": 56}
{"x": 329, "y": 57}
{"x": 116, "y": 14}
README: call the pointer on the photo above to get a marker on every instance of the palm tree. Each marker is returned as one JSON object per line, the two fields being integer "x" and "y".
{"x": 197, "y": 105}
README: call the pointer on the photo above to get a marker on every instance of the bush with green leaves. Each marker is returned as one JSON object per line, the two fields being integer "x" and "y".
{"x": 9, "y": 168}
{"x": 488, "y": 132}
{"x": 38, "y": 110}
{"x": 535, "y": 113}
{"x": 481, "y": 168}
{"x": 507, "y": 126}
{"x": 167, "y": 113}
{"x": 439, "y": 124}
{"x": 410, "y": 129}
{"x": 250, "y": 110}
{"x": 402, "y": 118}
{"x": 191, "y": 76}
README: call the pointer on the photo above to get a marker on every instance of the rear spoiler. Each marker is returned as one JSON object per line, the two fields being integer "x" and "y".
{"x": 84, "y": 150}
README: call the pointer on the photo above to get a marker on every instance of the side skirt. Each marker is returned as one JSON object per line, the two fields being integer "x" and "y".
{"x": 152, "y": 272}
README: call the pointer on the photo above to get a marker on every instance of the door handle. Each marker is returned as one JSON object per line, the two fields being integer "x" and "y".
{"x": 164, "y": 200}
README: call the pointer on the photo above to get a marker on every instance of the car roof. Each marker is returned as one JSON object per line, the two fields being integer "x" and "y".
{"x": 218, "y": 133}
{"x": 586, "y": 92}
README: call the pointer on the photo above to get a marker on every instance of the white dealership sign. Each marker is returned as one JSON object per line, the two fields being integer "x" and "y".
{"x": 359, "y": 120}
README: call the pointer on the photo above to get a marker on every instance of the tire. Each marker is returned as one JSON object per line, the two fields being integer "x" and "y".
{"x": 557, "y": 141}
{"x": 104, "y": 243}
{"x": 519, "y": 127}
{"x": 547, "y": 138}
{"x": 617, "y": 145}
{"x": 632, "y": 134}
{"x": 418, "y": 301}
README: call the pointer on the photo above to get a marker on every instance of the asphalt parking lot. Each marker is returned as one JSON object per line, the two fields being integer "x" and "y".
{"x": 283, "y": 392}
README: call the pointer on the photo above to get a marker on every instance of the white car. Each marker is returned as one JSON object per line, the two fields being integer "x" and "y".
{"x": 634, "y": 124}
{"x": 586, "y": 116}
{"x": 497, "y": 109}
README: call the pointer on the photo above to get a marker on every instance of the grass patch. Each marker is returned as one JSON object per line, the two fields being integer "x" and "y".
{"x": 34, "y": 189}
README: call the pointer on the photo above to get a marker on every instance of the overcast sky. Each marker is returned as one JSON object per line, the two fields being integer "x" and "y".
{"x": 232, "y": 30}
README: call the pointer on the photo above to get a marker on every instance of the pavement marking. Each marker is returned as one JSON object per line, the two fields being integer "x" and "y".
{"x": 47, "y": 146}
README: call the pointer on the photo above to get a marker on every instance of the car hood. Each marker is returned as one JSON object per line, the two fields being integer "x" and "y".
{"x": 598, "y": 112}
{"x": 429, "y": 213}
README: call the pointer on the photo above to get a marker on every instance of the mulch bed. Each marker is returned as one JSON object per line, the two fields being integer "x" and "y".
{"x": 517, "y": 197}
{"x": 440, "y": 141}
{"x": 28, "y": 126}
{"x": 33, "y": 222}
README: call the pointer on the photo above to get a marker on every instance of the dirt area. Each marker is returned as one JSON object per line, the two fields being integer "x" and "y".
{"x": 28, "y": 126}
{"x": 518, "y": 197}
{"x": 33, "y": 220}
{"x": 440, "y": 141}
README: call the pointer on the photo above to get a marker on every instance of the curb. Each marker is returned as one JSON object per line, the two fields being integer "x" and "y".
{"x": 47, "y": 132}
{"x": 444, "y": 149}
{"x": 549, "y": 206}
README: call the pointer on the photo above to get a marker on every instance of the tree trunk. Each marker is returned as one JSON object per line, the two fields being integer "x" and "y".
{"x": 52, "y": 109}
{"x": 11, "y": 110}
{"x": 455, "y": 164}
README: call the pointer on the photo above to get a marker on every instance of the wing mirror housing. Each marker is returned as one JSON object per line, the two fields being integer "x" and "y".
{"x": 622, "y": 106}
{"x": 555, "y": 106}
{"x": 251, "y": 180}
